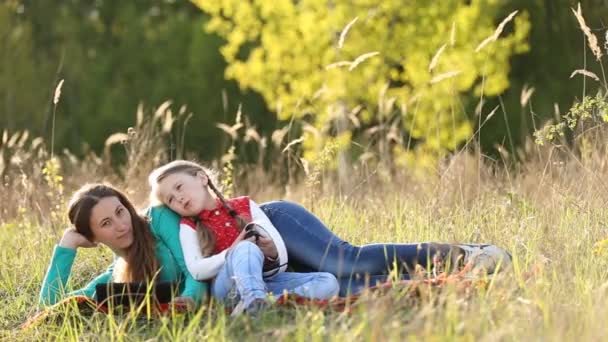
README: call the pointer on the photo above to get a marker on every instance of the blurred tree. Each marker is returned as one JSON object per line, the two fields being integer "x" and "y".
{"x": 557, "y": 48}
{"x": 21, "y": 71}
{"x": 287, "y": 50}
{"x": 114, "y": 55}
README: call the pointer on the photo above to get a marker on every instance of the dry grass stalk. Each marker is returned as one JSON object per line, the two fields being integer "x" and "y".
{"x": 116, "y": 138}
{"x": 308, "y": 128}
{"x": 445, "y": 76}
{"x": 362, "y": 58}
{"x": 13, "y": 139}
{"x": 278, "y": 135}
{"x": 435, "y": 58}
{"x": 168, "y": 122}
{"x": 491, "y": 114}
{"x": 337, "y": 65}
{"x": 526, "y": 94}
{"x": 453, "y": 34}
{"x": 591, "y": 38}
{"x": 497, "y": 32}
{"x": 55, "y": 102}
{"x": 353, "y": 64}
{"x": 585, "y": 73}
{"x": 291, "y": 143}
{"x": 230, "y": 130}
{"x": 160, "y": 111}
{"x": 57, "y": 92}
{"x": 345, "y": 31}
{"x": 352, "y": 116}
{"x": 252, "y": 134}
{"x": 139, "y": 114}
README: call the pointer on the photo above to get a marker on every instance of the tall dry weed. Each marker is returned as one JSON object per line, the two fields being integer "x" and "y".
{"x": 494, "y": 36}
{"x": 591, "y": 38}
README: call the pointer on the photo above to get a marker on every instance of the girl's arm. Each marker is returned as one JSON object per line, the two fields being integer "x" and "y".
{"x": 259, "y": 217}
{"x": 203, "y": 268}
{"x": 54, "y": 286}
{"x": 165, "y": 226}
{"x": 199, "y": 266}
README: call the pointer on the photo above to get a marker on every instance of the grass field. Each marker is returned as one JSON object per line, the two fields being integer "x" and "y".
{"x": 549, "y": 212}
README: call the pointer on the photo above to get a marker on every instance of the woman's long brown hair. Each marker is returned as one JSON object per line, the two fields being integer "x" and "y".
{"x": 206, "y": 238}
{"x": 140, "y": 263}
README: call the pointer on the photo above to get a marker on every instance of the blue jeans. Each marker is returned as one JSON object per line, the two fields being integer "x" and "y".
{"x": 312, "y": 247}
{"x": 241, "y": 275}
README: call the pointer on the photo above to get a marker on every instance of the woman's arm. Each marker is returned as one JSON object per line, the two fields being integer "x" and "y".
{"x": 165, "y": 226}
{"x": 54, "y": 286}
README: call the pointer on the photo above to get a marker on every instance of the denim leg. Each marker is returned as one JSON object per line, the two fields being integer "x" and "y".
{"x": 357, "y": 283}
{"x": 311, "y": 246}
{"x": 222, "y": 284}
{"x": 243, "y": 271}
{"x": 317, "y": 285}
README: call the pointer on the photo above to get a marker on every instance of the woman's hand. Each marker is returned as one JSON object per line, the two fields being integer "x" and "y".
{"x": 73, "y": 239}
{"x": 183, "y": 304}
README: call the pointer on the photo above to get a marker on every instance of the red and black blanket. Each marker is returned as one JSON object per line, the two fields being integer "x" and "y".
{"x": 87, "y": 306}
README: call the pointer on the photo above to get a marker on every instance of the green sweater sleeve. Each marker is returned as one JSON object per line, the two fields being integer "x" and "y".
{"x": 165, "y": 226}
{"x": 54, "y": 287}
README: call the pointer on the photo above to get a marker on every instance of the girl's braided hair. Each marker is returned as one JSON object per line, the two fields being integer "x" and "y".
{"x": 206, "y": 238}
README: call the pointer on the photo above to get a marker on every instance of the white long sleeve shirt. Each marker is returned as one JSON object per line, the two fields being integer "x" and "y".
{"x": 204, "y": 268}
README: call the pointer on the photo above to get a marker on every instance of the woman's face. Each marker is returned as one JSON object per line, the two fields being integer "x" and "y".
{"x": 185, "y": 194}
{"x": 111, "y": 224}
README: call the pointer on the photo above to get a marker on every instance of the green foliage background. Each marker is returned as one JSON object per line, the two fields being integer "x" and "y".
{"x": 114, "y": 55}
{"x": 282, "y": 49}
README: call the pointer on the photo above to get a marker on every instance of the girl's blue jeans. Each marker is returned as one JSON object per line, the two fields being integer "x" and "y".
{"x": 241, "y": 277}
{"x": 312, "y": 247}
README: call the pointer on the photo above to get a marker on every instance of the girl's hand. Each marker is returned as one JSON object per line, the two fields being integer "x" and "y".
{"x": 241, "y": 237}
{"x": 183, "y": 304}
{"x": 73, "y": 239}
{"x": 268, "y": 247}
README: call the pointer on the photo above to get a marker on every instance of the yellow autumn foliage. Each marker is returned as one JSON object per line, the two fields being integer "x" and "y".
{"x": 290, "y": 52}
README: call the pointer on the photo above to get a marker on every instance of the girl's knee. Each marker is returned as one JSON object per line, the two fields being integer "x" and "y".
{"x": 245, "y": 247}
{"x": 245, "y": 244}
{"x": 330, "y": 284}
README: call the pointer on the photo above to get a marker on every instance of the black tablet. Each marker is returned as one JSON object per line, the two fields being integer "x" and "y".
{"x": 127, "y": 294}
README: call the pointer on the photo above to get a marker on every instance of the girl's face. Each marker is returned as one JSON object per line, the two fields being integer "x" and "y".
{"x": 111, "y": 224}
{"x": 186, "y": 194}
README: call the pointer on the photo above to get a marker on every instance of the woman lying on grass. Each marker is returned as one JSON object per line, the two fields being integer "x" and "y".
{"x": 102, "y": 214}
{"x": 285, "y": 231}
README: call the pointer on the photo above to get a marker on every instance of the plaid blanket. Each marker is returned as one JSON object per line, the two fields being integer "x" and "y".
{"x": 87, "y": 306}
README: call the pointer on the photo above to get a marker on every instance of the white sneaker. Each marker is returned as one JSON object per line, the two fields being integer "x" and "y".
{"x": 485, "y": 258}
